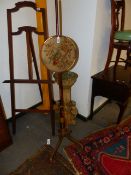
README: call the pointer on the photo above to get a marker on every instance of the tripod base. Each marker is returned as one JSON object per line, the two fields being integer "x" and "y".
{"x": 65, "y": 133}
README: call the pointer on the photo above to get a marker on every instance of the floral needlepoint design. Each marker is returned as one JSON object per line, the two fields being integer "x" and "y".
{"x": 59, "y": 56}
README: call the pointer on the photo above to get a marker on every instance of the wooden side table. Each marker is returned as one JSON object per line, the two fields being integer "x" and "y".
{"x": 114, "y": 84}
{"x": 5, "y": 137}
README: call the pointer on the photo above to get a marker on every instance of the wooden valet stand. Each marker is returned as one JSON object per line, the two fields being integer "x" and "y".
{"x": 60, "y": 54}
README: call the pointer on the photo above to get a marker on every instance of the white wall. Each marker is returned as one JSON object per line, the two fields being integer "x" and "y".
{"x": 101, "y": 42}
{"x": 79, "y": 23}
{"x": 26, "y": 95}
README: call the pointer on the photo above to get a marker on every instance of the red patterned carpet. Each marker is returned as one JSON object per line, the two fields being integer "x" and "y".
{"x": 107, "y": 152}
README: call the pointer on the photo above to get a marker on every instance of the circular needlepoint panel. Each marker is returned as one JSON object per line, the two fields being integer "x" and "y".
{"x": 59, "y": 53}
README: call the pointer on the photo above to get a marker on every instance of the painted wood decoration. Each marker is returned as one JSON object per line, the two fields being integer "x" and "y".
{"x": 46, "y": 103}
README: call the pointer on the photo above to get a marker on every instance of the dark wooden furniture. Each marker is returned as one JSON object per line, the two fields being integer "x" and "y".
{"x": 120, "y": 39}
{"x": 114, "y": 84}
{"x": 5, "y": 137}
{"x": 31, "y": 61}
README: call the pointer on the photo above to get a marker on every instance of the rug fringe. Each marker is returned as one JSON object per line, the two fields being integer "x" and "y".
{"x": 77, "y": 173}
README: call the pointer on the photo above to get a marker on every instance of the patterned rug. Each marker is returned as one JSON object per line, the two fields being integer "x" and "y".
{"x": 40, "y": 164}
{"x": 107, "y": 152}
